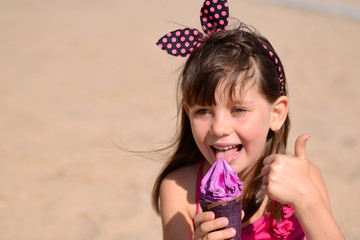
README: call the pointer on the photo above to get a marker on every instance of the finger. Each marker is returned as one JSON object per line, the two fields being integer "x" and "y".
{"x": 265, "y": 170}
{"x": 300, "y": 146}
{"x": 203, "y": 217}
{"x": 263, "y": 189}
{"x": 265, "y": 180}
{"x": 268, "y": 160}
{"x": 209, "y": 226}
{"x": 228, "y": 233}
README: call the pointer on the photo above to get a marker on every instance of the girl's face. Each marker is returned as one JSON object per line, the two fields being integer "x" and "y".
{"x": 233, "y": 130}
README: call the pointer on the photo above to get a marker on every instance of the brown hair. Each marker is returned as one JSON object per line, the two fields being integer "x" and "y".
{"x": 231, "y": 56}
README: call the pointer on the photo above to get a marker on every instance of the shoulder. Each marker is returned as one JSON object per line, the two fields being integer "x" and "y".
{"x": 180, "y": 181}
{"x": 318, "y": 180}
{"x": 177, "y": 201}
{"x": 182, "y": 175}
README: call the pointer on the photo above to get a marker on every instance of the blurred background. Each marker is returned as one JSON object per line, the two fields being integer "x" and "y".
{"x": 78, "y": 78}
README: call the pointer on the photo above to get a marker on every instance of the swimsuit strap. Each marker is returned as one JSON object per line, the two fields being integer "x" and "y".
{"x": 198, "y": 183}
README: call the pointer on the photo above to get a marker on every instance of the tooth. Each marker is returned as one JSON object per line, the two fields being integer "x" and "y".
{"x": 224, "y": 148}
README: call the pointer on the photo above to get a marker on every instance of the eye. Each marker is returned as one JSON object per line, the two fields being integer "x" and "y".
{"x": 238, "y": 110}
{"x": 202, "y": 111}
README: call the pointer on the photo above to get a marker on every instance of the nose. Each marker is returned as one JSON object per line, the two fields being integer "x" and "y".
{"x": 221, "y": 126}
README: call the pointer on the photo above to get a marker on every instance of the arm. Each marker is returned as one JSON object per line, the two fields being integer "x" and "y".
{"x": 176, "y": 221}
{"x": 314, "y": 212}
{"x": 294, "y": 180}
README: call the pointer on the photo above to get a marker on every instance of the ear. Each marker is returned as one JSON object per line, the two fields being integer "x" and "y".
{"x": 279, "y": 112}
{"x": 186, "y": 108}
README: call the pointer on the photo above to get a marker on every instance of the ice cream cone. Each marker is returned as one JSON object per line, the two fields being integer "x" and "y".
{"x": 230, "y": 209}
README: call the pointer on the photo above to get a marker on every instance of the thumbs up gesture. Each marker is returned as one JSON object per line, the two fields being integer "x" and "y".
{"x": 291, "y": 179}
{"x": 286, "y": 178}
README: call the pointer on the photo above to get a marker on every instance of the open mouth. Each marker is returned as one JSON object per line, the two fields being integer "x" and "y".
{"x": 228, "y": 153}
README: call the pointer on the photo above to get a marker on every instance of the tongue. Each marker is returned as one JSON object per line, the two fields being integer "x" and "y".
{"x": 227, "y": 155}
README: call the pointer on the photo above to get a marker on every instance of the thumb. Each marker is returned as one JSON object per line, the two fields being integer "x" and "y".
{"x": 300, "y": 146}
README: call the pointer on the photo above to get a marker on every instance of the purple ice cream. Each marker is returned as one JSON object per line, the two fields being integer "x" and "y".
{"x": 220, "y": 183}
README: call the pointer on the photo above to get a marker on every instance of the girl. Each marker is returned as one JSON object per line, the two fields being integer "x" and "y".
{"x": 233, "y": 104}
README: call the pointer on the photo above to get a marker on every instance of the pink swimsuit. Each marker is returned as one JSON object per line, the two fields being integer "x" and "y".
{"x": 265, "y": 227}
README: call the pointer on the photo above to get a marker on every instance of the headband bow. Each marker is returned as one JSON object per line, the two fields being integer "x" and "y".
{"x": 214, "y": 16}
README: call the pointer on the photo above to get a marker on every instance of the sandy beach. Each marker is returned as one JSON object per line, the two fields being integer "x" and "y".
{"x": 78, "y": 78}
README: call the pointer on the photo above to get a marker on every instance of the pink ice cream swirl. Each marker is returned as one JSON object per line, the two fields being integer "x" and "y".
{"x": 220, "y": 183}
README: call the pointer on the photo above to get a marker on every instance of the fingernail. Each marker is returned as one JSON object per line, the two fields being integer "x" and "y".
{"x": 224, "y": 221}
{"x": 231, "y": 231}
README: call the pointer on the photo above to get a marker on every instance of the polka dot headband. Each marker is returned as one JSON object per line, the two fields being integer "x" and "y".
{"x": 214, "y": 16}
{"x": 278, "y": 69}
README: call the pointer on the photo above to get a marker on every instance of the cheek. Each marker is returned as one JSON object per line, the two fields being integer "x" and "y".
{"x": 199, "y": 130}
{"x": 256, "y": 127}
{"x": 255, "y": 132}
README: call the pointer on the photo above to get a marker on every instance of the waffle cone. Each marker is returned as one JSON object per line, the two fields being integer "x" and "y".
{"x": 230, "y": 209}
